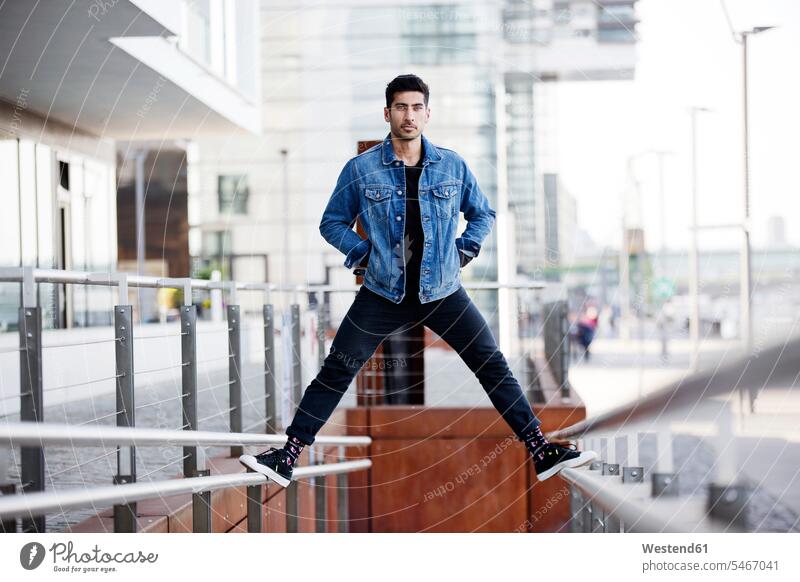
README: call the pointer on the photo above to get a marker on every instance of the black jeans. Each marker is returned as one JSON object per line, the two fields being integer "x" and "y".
{"x": 371, "y": 318}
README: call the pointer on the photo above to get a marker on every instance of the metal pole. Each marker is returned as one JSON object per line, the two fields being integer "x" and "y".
{"x": 343, "y": 511}
{"x": 254, "y": 508}
{"x": 694, "y": 269}
{"x": 291, "y": 508}
{"x": 194, "y": 461}
{"x": 270, "y": 419}
{"x": 319, "y": 494}
{"x": 321, "y": 324}
{"x": 286, "y": 225}
{"x": 125, "y": 515}
{"x": 297, "y": 368}
{"x": 31, "y": 395}
{"x": 235, "y": 374}
{"x": 140, "y": 226}
{"x": 746, "y": 275}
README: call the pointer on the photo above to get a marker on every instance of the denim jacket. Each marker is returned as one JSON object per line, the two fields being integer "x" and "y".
{"x": 372, "y": 186}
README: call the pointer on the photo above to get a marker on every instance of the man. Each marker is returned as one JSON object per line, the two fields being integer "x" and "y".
{"x": 408, "y": 194}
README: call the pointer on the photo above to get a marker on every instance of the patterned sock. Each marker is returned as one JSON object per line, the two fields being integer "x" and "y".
{"x": 535, "y": 440}
{"x": 293, "y": 448}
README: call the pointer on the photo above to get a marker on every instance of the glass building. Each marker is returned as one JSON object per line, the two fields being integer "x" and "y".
{"x": 324, "y": 71}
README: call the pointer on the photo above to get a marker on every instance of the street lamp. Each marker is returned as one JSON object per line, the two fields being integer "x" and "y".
{"x": 694, "y": 262}
{"x": 746, "y": 316}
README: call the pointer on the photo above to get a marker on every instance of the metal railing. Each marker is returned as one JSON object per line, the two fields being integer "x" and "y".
{"x": 29, "y": 500}
{"x": 693, "y": 455}
{"x": 26, "y": 434}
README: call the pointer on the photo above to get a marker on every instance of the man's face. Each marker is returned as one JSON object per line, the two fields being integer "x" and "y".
{"x": 408, "y": 115}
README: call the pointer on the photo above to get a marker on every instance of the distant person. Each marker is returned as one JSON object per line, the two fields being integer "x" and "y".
{"x": 408, "y": 194}
{"x": 587, "y": 327}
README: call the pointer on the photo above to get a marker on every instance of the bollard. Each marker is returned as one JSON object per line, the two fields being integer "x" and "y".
{"x": 235, "y": 374}
{"x": 31, "y": 395}
{"x": 125, "y": 514}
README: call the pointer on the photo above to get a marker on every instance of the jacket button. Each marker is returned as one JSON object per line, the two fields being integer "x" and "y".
{"x": 398, "y": 217}
{"x": 399, "y": 192}
{"x": 378, "y": 195}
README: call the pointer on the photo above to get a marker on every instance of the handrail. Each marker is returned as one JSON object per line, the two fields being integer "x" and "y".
{"x": 776, "y": 364}
{"x": 12, "y": 274}
{"x": 36, "y": 504}
{"x": 632, "y": 504}
{"x": 36, "y": 434}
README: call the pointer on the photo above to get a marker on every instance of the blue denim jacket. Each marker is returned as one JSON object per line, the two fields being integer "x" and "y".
{"x": 372, "y": 186}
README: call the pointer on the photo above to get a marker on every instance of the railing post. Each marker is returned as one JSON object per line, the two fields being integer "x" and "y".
{"x": 235, "y": 374}
{"x": 297, "y": 368}
{"x": 255, "y": 508}
{"x": 291, "y": 508}
{"x": 728, "y": 497}
{"x": 665, "y": 480}
{"x": 634, "y": 472}
{"x": 342, "y": 510}
{"x": 270, "y": 420}
{"x": 201, "y": 502}
{"x": 319, "y": 494}
{"x": 194, "y": 456}
{"x": 31, "y": 396}
{"x": 125, "y": 515}
{"x": 321, "y": 327}
{"x": 7, "y": 487}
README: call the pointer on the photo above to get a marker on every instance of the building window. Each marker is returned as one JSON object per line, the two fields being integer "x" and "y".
{"x": 233, "y": 194}
{"x": 439, "y": 34}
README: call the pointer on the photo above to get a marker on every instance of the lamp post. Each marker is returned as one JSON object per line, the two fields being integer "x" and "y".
{"x": 746, "y": 315}
{"x": 694, "y": 268}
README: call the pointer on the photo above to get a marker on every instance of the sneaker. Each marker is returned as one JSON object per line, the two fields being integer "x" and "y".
{"x": 552, "y": 457}
{"x": 274, "y": 463}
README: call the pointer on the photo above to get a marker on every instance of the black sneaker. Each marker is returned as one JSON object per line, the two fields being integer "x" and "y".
{"x": 550, "y": 458}
{"x": 274, "y": 463}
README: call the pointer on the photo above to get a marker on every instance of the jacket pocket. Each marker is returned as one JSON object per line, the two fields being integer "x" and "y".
{"x": 445, "y": 199}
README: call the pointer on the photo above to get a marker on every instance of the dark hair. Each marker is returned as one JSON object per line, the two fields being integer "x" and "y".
{"x": 406, "y": 83}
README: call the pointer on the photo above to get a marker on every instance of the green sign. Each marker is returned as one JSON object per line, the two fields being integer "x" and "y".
{"x": 664, "y": 288}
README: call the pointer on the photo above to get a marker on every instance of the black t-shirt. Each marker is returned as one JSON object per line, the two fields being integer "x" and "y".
{"x": 413, "y": 239}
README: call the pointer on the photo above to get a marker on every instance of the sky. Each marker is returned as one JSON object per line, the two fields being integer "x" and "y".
{"x": 687, "y": 57}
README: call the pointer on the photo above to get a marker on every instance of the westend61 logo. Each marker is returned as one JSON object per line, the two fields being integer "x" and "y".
{"x": 65, "y": 559}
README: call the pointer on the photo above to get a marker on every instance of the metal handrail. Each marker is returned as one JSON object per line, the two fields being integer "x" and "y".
{"x": 36, "y": 504}
{"x": 12, "y": 274}
{"x": 763, "y": 370}
{"x": 36, "y": 434}
{"x": 633, "y": 505}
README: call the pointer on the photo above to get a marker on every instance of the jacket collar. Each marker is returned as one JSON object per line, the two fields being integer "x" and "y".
{"x": 431, "y": 152}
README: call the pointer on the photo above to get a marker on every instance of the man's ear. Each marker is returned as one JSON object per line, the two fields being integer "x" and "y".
{"x": 386, "y": 114}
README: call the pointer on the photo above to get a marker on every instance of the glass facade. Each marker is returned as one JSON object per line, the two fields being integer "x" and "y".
{"x": 57, "y": 213}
